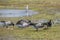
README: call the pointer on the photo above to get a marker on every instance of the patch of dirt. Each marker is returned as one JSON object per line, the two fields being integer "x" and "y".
{"x": 12, "y": 37}
{"x": 7, "y": 37}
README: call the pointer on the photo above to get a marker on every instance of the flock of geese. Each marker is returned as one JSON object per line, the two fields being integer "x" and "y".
{"x": 27, "y": 23}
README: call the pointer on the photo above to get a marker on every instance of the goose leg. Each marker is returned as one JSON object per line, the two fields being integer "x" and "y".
{"x": 6, "y": 26}
{"x": 36, "y": 29}
{"x": 46, "y": 27}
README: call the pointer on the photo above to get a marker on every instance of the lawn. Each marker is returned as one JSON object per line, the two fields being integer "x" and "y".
{"x": 52, "y": 33}
{"x": 46, "y": 9}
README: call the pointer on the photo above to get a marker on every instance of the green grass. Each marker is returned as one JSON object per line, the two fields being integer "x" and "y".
{"x": 52, "y": 33}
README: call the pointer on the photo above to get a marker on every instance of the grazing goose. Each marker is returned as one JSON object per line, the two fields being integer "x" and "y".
{"x": 41, "y": 25}
{"x": 23, "y": 23}
{"x": 7, "y": 23}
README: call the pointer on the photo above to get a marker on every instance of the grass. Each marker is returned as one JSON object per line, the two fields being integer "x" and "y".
{"x": 41, "y": 6}
{"x": 36, "y": 16}
{"x": 53, "y": 33}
